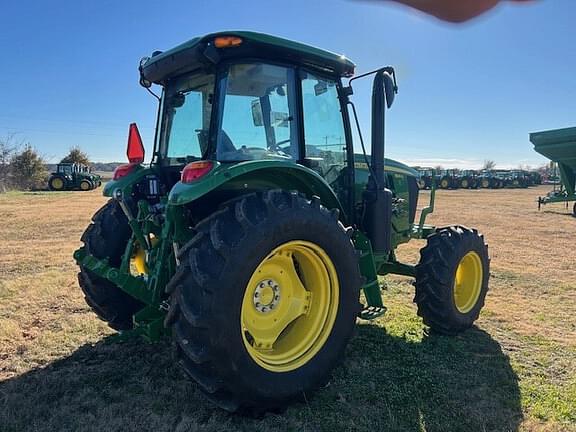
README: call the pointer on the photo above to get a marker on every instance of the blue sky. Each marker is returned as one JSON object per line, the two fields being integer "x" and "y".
{"x": 68, "y": 70}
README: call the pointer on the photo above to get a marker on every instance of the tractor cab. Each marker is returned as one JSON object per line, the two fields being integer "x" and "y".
{"x": 65, "y": 169}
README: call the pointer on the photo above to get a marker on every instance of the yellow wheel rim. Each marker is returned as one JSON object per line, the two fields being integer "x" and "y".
{"x": 139, "y": 257}
{"x": 289, "y": 306}
{"x": 468, "y": 282}
{"x": 444, "y": 183}
{"x": 139, "y": 261}
{"x": 57, "y": 183}
{"x": 464, "y": 183}
{"x": 84, "y": 185}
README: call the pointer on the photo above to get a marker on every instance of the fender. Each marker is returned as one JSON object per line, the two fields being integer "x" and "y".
{"x": 255, "y": 175}
{"x": 126, "y": 182}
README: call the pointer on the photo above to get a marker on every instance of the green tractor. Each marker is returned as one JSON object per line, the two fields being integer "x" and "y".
{"x": 426, "y": 178}
{"x": 251, "y": 235}
{"x": 73, "y": 176}
{"x": 468, "y": 179}
{"x": 449, "y": 179}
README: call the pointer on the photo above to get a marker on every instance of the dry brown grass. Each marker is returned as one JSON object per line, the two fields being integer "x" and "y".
{"x": 58, "y": 370}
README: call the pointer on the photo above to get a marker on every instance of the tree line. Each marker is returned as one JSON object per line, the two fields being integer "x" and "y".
{"x": 23, "y": 168}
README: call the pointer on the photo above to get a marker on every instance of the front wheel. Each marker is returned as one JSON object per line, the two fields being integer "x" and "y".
{"x": 452, "y": 279}
{"x": 264, "y": 301}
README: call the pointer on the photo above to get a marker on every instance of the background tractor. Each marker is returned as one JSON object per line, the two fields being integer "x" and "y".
{"x": 426, "y": 178}
{"x": 73, "y": 176}
{"x": 468, "y": 179}
{"x": 449, "y": 179}
{"x": 252, "y": 233}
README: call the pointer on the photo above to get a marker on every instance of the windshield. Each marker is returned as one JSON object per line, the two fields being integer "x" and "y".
{"x": 65, "y": 169}
{"x": 186, "y": 119}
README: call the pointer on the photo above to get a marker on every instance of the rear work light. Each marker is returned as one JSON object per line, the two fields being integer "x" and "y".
{"x": 123, "y": 170}
{"x": 194, "y": 170}
{"x": 227, "y": 41}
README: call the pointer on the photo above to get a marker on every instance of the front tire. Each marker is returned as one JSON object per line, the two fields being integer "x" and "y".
{"x": 452, "y": 279}
{"x": 264, "y": 301}
{"x": 107, "y": 237}
{"x": 445, "y": 183}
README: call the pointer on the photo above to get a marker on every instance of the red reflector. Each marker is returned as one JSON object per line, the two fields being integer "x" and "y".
{"x": 135, "y": 149}
{"x": 195, "y": 170}
{"x": 123, "y": 170}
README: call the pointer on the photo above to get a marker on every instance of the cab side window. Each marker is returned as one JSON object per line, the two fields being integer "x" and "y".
{"x": 323, "y": 127}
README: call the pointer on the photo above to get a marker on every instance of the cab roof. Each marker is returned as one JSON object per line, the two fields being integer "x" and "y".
{"x": 201, "y": 52}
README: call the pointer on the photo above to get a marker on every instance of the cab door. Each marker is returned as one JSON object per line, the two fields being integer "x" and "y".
{"x": 324, "y": 134}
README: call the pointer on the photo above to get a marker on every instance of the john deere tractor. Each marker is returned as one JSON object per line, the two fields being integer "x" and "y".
{"x": 255, "y": 238}
{"x": 73, "y": 176}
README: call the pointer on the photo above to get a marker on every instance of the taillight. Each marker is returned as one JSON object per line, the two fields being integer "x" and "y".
{"x": 123, "y": 170}
{"x": 194, "y": 170}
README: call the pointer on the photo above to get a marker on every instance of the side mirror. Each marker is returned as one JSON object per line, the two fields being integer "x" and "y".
{"x": 390, "y": 89}
{"x": 257, "y": 116}
{"x": 143, "y": 81}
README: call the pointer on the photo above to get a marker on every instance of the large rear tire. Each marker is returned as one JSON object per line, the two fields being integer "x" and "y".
{"x": 56, "y": 183}
{"x": 452, "y": 279}
{"x": 264, "y": 300}
{"x": 106, "y": 237}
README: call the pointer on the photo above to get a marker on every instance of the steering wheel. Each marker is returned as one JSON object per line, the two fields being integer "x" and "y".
{"x": 284, "y": 150}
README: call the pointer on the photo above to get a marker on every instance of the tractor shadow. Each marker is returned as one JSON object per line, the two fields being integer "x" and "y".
{"x": 386, "y": 383}
{"x": 433, "y": 382}
{"x": 562, "y": 212}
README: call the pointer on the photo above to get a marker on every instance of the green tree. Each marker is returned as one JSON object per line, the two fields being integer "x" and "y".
{"x": 28, "y": 169}
{"x": 7, "y": 149}
{"x": 76, "y": 155}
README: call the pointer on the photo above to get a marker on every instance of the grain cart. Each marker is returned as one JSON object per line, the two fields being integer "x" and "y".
{"x": 251, "y": 234}
{"x": 559, "y": 145}
{"x": 73, "y": 176}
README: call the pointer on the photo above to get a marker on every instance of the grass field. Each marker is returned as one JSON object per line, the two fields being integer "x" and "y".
{"x": 60, "y": 370}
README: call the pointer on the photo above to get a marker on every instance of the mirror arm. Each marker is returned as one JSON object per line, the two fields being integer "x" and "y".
{"x": 388, "y": 69}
